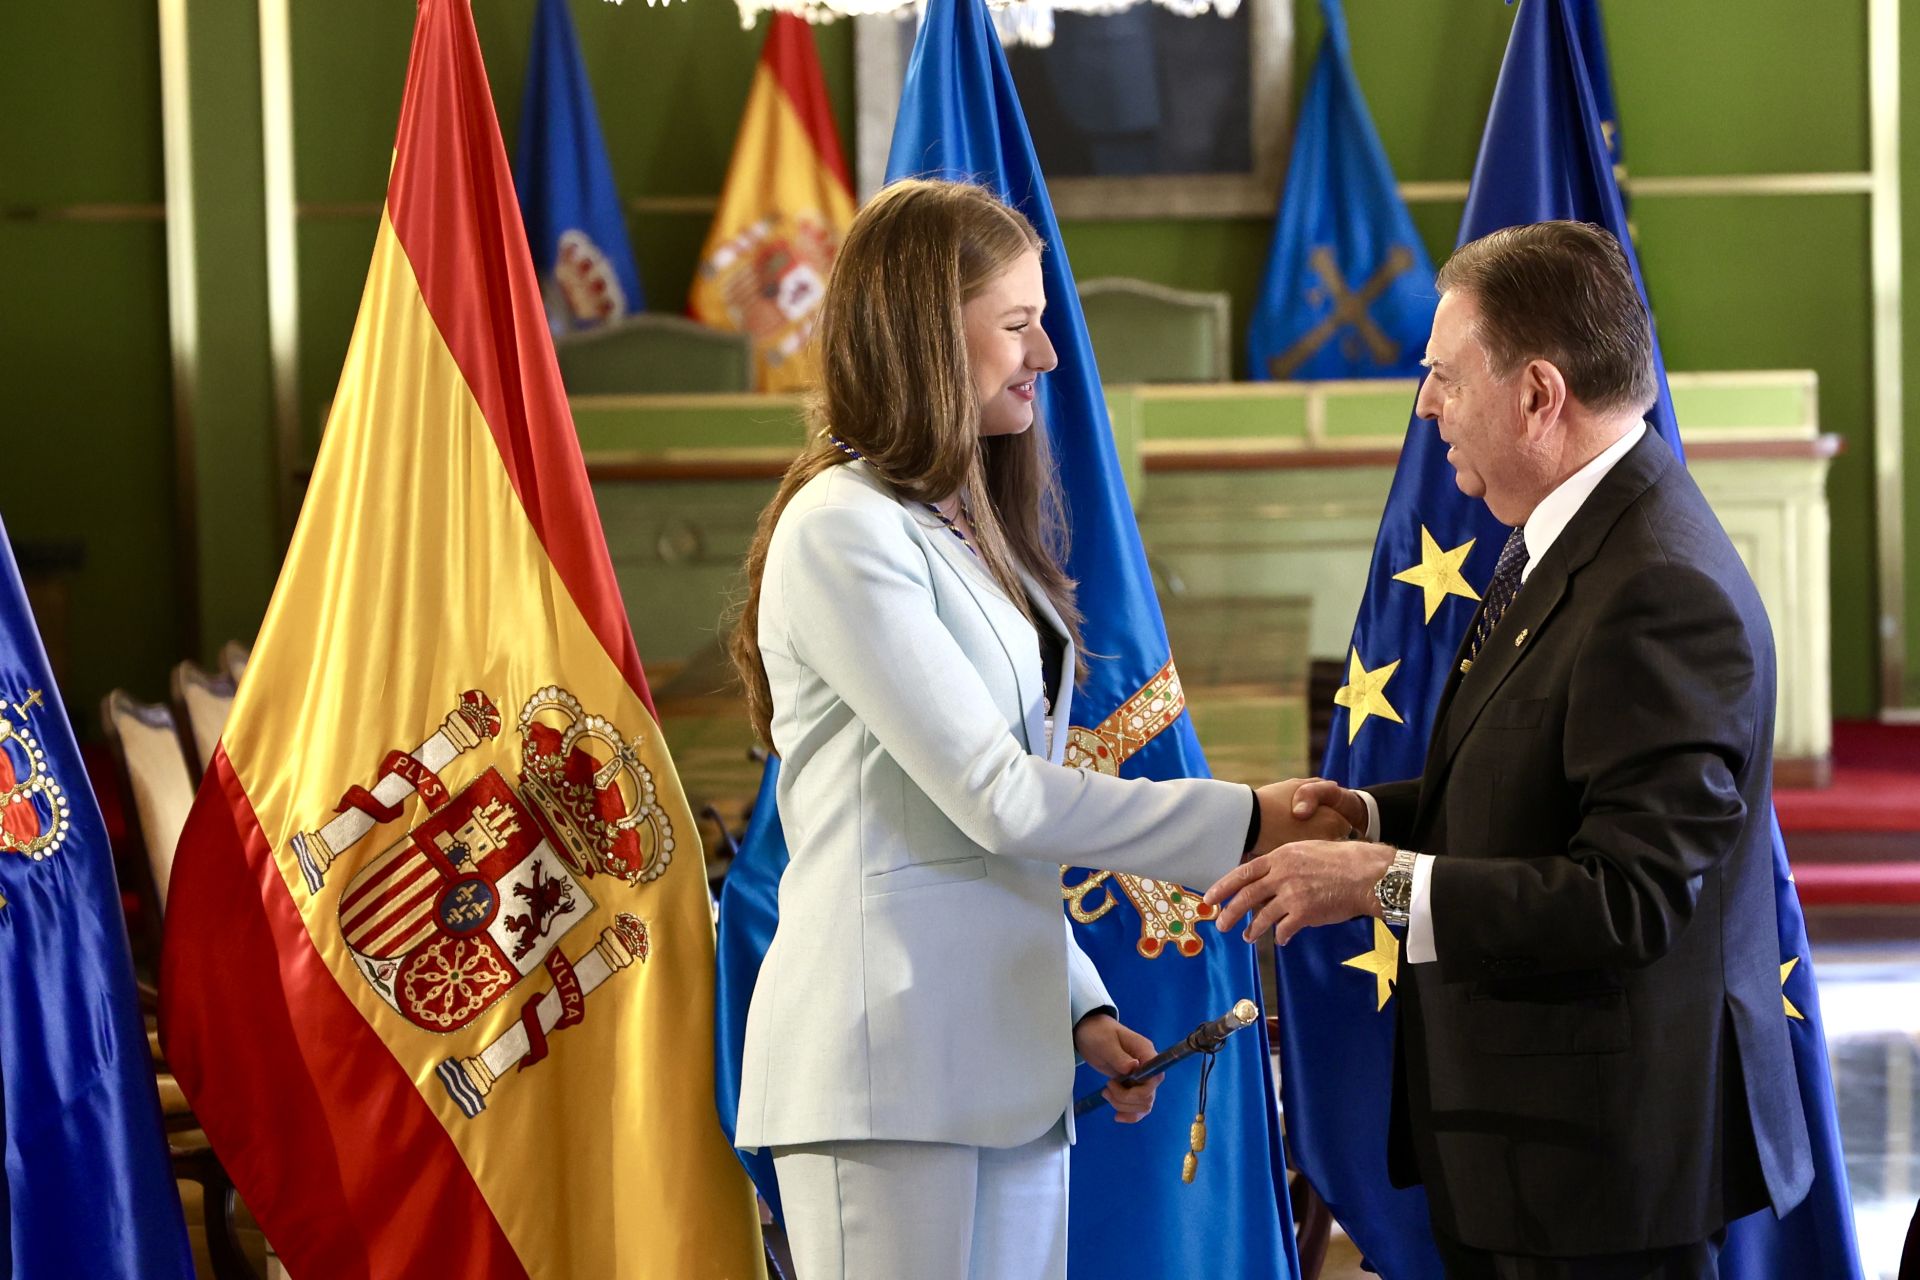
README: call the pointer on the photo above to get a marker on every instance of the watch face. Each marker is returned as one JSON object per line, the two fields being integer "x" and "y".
{"x": 1395, "y": 891}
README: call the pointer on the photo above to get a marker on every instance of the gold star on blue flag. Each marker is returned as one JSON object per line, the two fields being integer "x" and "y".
{"x": 1364, "y": 694}
{"x": 1438, "y": 573}
{"x": 1383, "y": 962}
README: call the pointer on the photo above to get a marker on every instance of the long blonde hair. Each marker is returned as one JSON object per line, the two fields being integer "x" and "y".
{"x": 897, "y": 386}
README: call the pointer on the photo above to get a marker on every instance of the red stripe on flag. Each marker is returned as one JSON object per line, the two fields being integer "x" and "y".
{"x": 355, "y": 1176}
{"x": 410, "y": 876}
{"x": 404, "y": 875}
{"x": 794, "y": 60}
{"x": 411, "y": 912}
{"x": 452, "y": 204}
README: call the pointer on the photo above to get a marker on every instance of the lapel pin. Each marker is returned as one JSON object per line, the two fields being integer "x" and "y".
{"x": 1521, "y": 638}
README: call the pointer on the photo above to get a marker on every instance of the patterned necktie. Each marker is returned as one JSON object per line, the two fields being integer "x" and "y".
{"x": 1500, "y": 592}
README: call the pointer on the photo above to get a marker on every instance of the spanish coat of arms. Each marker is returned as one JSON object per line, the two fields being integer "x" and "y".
{"x": 452, "y": 917}
{"x": 773, "y": 277}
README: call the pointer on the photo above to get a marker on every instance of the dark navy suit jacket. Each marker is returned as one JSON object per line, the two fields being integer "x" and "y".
{"x": 1598, "y": 1062}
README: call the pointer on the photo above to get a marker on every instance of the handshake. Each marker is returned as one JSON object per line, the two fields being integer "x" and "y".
{"x": 1308, "y": 866}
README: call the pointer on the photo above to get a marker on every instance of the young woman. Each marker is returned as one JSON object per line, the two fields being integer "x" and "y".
{"x": 909, "y": 645}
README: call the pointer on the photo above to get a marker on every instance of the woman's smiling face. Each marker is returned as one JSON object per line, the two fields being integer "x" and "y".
{"x": 1007, "y": 350}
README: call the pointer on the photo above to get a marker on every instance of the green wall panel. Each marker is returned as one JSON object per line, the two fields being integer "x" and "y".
{"x": 349, "y": 69}
{"x": 334, "y": 253}
{"x": 1734, "y": 280}
{"x": 1777, "y": 283}
{"x": 88, "y": 441}
{"x": 1226, "y": 255}
{"x": 80, "y": 94}
{"x": 1739, "y": 283}
{"x": 86, "y": 424}
{"x": 1764, "y": 86}
{"x": 233, "y": 449}
{"x": 1428, "y": 72}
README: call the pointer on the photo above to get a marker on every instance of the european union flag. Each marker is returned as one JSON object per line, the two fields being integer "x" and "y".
{"x": 1543, "y": 156}
{"x": 567, "y": 198}
{"x": 1592, "y": 36}
{"x": 90, "y": 1186}
{"x": 749, "y": 909}
{"x": 1349, "y": 288}
{"x": 1130, "y": 1214}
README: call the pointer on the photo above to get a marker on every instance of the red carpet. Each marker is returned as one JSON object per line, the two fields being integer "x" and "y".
{"x": 1876, "y": 783}
{"x": 1855, "y": 843}
{"x": 1857, "y": 884}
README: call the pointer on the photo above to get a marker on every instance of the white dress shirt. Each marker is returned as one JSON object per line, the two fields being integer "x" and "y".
{"x": 1548, "y": 521}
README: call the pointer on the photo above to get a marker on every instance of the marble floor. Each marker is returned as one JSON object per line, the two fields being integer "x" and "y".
{"x": 1870, "y": 1003}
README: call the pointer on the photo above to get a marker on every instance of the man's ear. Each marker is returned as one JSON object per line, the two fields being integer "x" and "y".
{"x": 1543, "y": 397}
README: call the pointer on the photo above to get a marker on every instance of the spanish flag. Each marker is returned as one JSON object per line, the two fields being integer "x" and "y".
{"x": 785, "y": 208}
{"x": 438, "y": 967}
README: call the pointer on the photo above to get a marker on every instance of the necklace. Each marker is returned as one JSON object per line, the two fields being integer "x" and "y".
{"x": 941, "y": 516}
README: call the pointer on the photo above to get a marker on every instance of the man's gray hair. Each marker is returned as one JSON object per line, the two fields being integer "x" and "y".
{"x": 1560, "y": 292}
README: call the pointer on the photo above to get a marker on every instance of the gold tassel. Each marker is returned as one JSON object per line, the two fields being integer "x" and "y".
{"x": 1197, "y": 1134}
{"x": 1196, "y": 1143}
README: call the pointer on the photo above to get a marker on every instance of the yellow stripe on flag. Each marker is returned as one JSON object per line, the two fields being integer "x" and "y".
{"x": 414, "y": 577}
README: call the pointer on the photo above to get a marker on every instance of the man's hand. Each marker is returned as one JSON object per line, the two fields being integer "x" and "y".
{"x": 1285, "y": 818}
{"x": 1297, "y": 885}
{"x": 1315, "y": 794}
{"x": 1114, "y": 1050}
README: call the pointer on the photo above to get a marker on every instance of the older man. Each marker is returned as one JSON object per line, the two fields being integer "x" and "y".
{"x": 1592, "y": 1071}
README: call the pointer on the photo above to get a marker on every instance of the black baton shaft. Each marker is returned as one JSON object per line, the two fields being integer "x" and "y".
{"x": 1205, "y": 1038}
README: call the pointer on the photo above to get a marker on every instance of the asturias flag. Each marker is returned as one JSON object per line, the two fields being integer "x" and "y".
{"x": 567, "y": 197}
{"x": 1543, "y": 156}
{"x": 438, "y": 974}
{"x": 749, "y": 910}
{"x": 785, "y": 207}
{"x": 1131, "y": 1215}
{"x": 1349, "y": 289}
{"x": 88, "y": 1189}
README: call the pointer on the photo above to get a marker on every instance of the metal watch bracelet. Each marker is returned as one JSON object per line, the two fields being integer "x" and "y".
{"x": 1394, "y": 890}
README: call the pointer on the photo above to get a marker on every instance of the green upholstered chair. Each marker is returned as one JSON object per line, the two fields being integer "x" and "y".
{"x": 1146, "y": 332}
{"x": 653, "y": 354}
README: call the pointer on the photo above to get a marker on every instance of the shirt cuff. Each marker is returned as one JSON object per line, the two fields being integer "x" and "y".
{"x": 1253, "y": 823}
{"x": 1420, "y": 949}
{"x": 1372, "y": 833}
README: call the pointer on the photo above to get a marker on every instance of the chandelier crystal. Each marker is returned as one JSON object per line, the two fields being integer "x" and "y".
{"x": 1019, "y": 22}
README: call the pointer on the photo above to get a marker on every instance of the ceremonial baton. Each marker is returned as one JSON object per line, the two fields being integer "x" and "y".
{"x": 1205, "y": 1038}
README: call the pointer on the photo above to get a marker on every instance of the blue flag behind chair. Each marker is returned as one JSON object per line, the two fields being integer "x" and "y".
{"x": 749, "y": 908}
{"x": 1130, "y": 1215}
{"x": 1349, "y": 288}
{"x": 1543, "y": 156}
{"x": 567, "y": 197}
{"x": 89, "y": 1180}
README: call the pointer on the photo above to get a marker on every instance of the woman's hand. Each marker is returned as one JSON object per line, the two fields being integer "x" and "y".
{"x": 1309, "y": 809}
{"x": 1114, "y": 1050}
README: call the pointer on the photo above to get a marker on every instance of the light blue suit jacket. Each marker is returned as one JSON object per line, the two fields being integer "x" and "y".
{"x": 923, "y": 982}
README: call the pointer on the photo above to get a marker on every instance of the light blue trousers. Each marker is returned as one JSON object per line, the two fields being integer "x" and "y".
{"x": 926, "y": 1210}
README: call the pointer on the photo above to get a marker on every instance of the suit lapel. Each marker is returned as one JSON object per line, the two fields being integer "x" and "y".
{"x": 1467, "y": 694}
{"x": 1001, "y": 614}
{"x": 1519, "y": 628}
